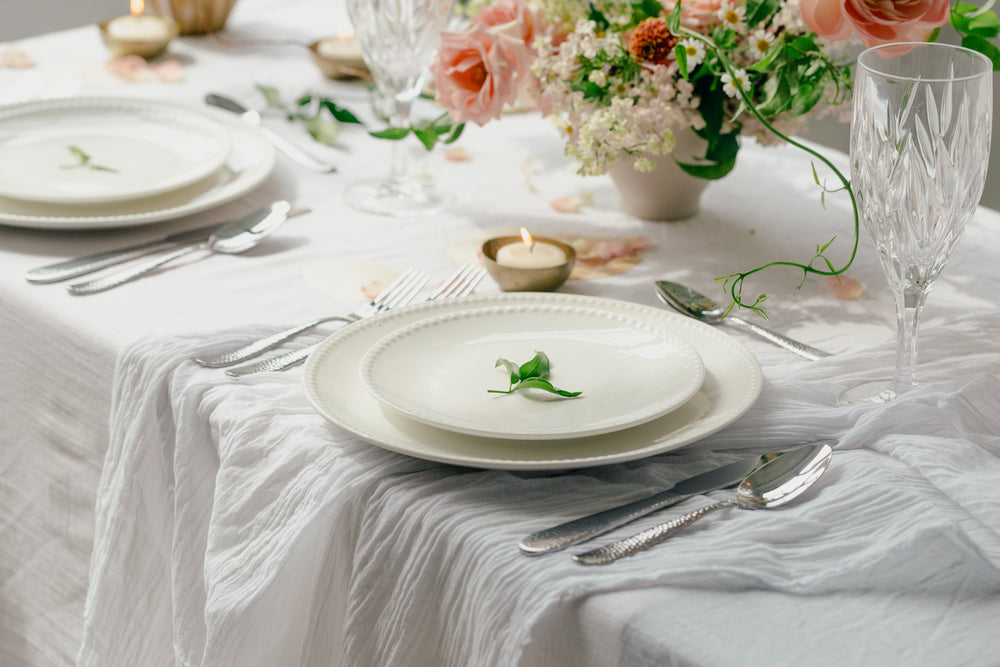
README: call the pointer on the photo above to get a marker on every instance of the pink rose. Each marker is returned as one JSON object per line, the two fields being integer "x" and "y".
{"x": 478, "y": 71}
{"x": 697, "y": 14}
{"x": 875, "y": 21}
{"x": 507, "y": 11}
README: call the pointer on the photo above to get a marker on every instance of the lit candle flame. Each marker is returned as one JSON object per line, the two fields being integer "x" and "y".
{"x": 137, "y": 7}
{"x": 528, "y": 241}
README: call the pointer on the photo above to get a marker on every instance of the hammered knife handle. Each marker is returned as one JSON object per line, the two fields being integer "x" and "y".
{"x": 274, "y": 364}
{"x": 84, "y": 265}
{"x": 129, "y": 274}
{"x": 647, "y": 538}
{"x": 799, "y": 348}
{"x": 584, "y": 528}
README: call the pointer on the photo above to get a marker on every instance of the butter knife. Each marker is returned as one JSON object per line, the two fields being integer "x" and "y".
{"x": 580, "y": 530}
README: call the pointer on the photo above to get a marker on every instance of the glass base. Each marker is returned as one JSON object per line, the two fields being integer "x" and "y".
{"x": 398, "y": 199}
{"x": 869, "y": 393}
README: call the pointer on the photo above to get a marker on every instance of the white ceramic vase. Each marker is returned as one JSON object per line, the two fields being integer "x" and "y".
{"x": 667, "y": 192}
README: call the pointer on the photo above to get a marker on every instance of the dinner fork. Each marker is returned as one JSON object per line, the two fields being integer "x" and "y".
{"x": 461, "y": 283}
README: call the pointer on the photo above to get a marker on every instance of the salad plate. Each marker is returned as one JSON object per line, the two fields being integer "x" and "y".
{"x": 100, "y": 150}
{"x": 443, "y": 371}
{"x": 249, "y": 162}
{"x": 333, "y": 386}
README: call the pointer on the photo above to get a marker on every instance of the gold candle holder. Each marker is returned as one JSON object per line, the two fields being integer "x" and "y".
{"x": 138, "y": 34}
{"x": 339, "y": 58}
{"x": 525, "y": 279}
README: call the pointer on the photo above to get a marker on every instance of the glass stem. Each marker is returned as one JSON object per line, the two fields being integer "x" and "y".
{"x": 909, "y": 305}
{"x": 399, "y": 168}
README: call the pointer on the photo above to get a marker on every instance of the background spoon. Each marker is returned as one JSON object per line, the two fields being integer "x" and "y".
{"x": 773, "y": 484}
{"x": 700, "y": 307}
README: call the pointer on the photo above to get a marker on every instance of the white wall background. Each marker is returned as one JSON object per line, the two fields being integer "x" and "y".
{"x": 23, "y": 18}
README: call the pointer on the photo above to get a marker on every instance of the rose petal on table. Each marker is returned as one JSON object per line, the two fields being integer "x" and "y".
{"x": 845, "y": 287}
{"x": 169, "y": 71}
{"x": 458, "y": 154}
{"x": 572, "y": 203}
{"x": 131, "y": 68}
{"x": 14, "y": 58}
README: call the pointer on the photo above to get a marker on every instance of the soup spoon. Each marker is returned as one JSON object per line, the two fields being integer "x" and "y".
{"x": 774, "y": 483}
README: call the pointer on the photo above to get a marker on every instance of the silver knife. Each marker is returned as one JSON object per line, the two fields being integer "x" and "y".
{"x": 72, "y": 268}
{"x": 580, "y": 530}
{"x": 251, "y": 117}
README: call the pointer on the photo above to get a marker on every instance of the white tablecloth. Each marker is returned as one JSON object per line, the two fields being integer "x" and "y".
{"x": 234, "y": 526}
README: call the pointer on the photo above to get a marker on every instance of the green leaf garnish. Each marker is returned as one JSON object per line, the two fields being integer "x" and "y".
{"x": 532, "y": 374}
{"x": 83, "y": 160}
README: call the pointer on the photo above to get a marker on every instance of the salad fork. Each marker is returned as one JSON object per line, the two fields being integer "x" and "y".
{"x": 461, "y": 283}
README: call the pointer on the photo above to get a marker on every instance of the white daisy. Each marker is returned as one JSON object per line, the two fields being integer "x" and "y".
{"x": 733, "y": 85}
{"x": 731, "y": 17}
{"x": 760, "y": 41}
{"x": 694, "y": 50}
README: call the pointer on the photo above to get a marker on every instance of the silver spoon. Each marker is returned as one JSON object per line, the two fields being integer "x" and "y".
{"x": 695, "y": 304}
{"x": 230, "y": 239}
{"x": 775, "y": 483}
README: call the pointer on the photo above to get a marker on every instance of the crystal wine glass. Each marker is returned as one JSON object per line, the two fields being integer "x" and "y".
{"x": 398, "y": 39}
{"x": 920, "y": 143}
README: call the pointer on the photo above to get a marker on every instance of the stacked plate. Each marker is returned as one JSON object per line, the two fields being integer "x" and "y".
{"x": 111, "y": 162}
{"x": 417, "y": 380}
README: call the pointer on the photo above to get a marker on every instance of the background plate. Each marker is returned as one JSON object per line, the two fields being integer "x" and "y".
{"x": 249, "y": 162}
{"x": 334, "y": 388}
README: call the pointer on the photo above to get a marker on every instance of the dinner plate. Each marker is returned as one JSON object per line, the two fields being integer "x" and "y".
{"x": 249, "y": 161}
{"x": 334, "y": 388}
{"x": 441, "y": 371}
{"x": 100, "y": 150}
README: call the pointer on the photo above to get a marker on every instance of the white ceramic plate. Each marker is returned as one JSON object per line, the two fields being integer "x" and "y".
{"x": 250, "y": 161}
{"x": 438, "y": 371}
{"x": 334, "y": 388}
{"x": 101, "y": 150}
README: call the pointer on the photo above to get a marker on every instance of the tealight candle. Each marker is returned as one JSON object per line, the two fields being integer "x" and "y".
{"x": 531, "y": 254}
{"x": 526, "y": 264}
{"x": 137, "y": 33}
{"x": 339, "y": 56}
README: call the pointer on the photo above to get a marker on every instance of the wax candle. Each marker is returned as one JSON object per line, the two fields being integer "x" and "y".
{"x": 530, "y": 254}
{"x": 342, "y": 49}
{"x": 137, "y": 27}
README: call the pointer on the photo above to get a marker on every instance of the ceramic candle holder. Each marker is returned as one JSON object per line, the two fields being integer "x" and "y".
{"x": 512, "y": 279}
{"x": 146, "y": 48}
{"x": 338, "y": 58}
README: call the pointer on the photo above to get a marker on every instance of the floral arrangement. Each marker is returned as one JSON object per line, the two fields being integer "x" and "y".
{"x": 622, "y": 77}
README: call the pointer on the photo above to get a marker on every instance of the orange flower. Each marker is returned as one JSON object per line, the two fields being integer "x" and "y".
{"x": 652, "y": 41}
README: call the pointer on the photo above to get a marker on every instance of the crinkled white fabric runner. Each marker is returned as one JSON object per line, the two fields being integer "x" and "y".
{"x": 236, "y": 527}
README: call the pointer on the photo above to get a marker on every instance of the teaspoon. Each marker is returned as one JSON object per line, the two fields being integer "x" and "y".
{"x": 695, "y": 304}
{"x": 774, "y": 483}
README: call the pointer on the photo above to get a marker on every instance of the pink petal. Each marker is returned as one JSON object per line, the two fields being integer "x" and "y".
{"x": 846, "y": 287}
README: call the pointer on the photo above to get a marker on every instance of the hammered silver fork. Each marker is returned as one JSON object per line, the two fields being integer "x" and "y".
{"x": 461, "y": 283}
{"x": 400, "y": 291}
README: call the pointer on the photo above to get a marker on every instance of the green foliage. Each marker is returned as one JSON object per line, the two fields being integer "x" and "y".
{"x": 532, "y": 374}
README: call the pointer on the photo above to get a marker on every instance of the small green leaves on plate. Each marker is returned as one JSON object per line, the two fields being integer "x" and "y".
{"x": 531, "y": 374}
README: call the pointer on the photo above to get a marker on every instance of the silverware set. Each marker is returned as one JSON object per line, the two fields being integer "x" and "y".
{"x": 763, "y": 482}
{"x": 399, "y": 292}
{"x": 234, "y": 237}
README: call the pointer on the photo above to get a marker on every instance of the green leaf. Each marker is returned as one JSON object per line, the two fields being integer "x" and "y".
{"x": 674, "y": 19}
{"x": 966, "y": 20}
{"x": 680, "y": 53}
{"x": 455, "y": 133}
{"x": 511, "y": 369}
{"x": 984, "y": 46}
{"x": 271, "y": 95}
{"x": 646, "y": 9}
{"x": 427, "y": 137}
{"x": 759, "y": 10}
{"x": 538, "y": 366}
{"x": 394, "y": 133}
{"x": 340, "y": 113}
{"x": 323, "y": 130}
{"x": 539, "y": 383}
